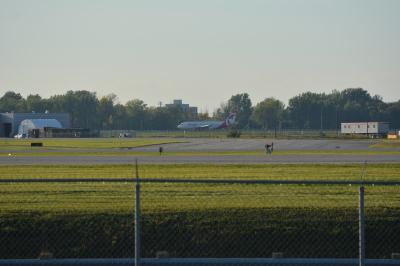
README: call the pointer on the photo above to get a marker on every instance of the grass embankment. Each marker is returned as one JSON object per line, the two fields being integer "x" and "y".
{"x": 91, "y": 143}
{"x": 118, "y": 197}
{"x": 95, "y": 220}
{"x": 387, "y": 144}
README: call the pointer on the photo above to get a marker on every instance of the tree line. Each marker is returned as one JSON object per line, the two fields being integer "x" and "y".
{"x": 305, "y": 111}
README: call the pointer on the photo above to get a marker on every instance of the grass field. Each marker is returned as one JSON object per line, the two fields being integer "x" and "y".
{"x": 117, "y": 197}
{"x": 92, "y": 143}
{"x": 197, "y": 220}
{"x": 387, "y": 144}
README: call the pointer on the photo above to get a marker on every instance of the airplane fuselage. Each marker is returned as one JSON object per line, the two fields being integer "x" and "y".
{"x": 188, "y": 125}
{"x": 211, "y": 124}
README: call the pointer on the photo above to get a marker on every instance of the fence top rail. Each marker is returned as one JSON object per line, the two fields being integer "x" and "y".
{"x": 201, "y": 261}
{"x": 198, "y": 181}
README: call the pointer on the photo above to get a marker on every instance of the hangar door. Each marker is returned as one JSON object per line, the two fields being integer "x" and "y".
{"x": 7, "y": 129}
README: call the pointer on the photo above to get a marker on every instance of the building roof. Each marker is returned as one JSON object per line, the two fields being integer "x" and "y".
{"x": 29, "y": 124}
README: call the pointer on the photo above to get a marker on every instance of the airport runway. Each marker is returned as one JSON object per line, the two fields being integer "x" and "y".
{"x": 223, "y": 145}
{"x": 198, "y": 144}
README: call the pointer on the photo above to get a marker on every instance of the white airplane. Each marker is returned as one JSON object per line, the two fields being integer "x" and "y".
{"x": 208, "y": 124}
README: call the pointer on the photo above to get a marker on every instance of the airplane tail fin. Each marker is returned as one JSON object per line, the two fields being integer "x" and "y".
{"x": 230, "y": 119}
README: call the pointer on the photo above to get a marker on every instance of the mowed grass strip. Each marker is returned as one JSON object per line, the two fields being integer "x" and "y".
{"x": 155, "y": 152}
{"x": 90, "y": 143}
{"x": 387, "y": 144}
{"x": 118, "y": 198}
{"x": 81, "y": 197}
{"x": 382, "y": 172}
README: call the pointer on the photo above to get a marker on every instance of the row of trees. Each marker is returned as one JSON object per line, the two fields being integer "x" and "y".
{"x": 312, "y": 110}
{"x": 88, "y": 111}
{"x": 305, "y": 111}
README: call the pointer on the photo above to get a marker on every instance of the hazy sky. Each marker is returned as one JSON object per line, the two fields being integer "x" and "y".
{"x": 199, "y": 51}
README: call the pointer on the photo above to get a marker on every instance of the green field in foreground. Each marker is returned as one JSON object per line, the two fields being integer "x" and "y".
{"x": 119, "y": 197}
{"x": 90, "y": 220}
{"x": 90, "y": 143}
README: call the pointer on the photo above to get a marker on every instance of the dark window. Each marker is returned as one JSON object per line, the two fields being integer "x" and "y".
{"x": 7, "y": 129}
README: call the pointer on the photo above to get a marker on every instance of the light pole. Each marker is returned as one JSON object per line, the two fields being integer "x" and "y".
{"x": 321, "y": 129}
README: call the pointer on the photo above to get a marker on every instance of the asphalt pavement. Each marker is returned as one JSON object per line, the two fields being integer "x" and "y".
{"x": 212, "y": 145}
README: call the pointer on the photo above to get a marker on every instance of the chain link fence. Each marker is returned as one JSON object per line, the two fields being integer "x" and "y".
{"x": 382, "y": 223}
{"x": 223, "y": 133}
{"x": 66, "y": 219}
{"x": 81, "y": 219}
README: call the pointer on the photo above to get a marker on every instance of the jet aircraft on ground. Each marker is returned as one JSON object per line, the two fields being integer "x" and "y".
{"x": 208, "y": 124}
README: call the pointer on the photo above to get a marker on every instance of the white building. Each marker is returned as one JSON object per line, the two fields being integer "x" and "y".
{"x": 365, "y": 128}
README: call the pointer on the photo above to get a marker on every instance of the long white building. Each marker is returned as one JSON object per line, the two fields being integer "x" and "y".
{"x": 365, "y": 128}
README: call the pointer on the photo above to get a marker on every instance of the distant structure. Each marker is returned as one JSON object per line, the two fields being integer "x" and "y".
{"x": 33, "y": 127}
{"x": 184, "y": 107}
{"x": 393, "y": 135}
{"x": 365, "y": 128}
{"x": 11, "y": 122}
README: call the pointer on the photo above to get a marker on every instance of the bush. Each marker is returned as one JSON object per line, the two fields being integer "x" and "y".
{"x": 234, "y": 133}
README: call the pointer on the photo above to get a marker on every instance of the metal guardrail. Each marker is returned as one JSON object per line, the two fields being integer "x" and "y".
{"x": 200, "y": 261}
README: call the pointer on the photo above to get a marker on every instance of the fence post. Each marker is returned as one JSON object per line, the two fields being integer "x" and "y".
{"x": 361, "y": 228}
{"x": 137, "y": 219}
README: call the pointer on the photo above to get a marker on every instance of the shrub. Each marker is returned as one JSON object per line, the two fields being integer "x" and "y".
{"x": 234, "y": 133}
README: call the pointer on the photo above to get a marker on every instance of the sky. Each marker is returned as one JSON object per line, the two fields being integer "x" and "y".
{"x": 202, "y": 52}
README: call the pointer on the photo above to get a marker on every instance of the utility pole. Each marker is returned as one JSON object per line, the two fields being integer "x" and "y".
{"x": 321, "y": 130}
{"x": 337, "y": 122}
{"x": 137, "y": 218}
{"x": 361, "y": 219}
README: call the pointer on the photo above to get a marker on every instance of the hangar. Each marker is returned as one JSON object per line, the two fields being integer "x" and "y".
{"x": 11, "y": 122}
{"x": 33, "y": 127}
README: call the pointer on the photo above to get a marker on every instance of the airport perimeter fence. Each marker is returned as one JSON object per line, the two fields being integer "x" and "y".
{"x": 198, "y": 222}
{"x": 222, "y": 133}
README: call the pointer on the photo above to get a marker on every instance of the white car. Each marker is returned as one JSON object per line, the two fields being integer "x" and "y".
{"x": 20, "y": 136}
{"x": 125, "y": 135}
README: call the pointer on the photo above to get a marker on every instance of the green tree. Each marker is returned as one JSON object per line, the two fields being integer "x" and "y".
{"x": 106, "y": 111}
{"x": 221, "y": 112}
{"x": 269, "y": 113}
{"x": 203, "y": 116}
{"x": 81, "y": 106}
{"x": 355, "y": 102}
{"x": 241, "y": 105}
{"x": 120, "y": 118}
{"x": 305, "y": 110}
{"x": 136, "y": 114}
{"x": 160, "y": 118}
{"x": 392, "y": 114}
{"x": 35, "y": 103}
{"x": 85, "y": 105}
{"x": 12, "y": 102}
